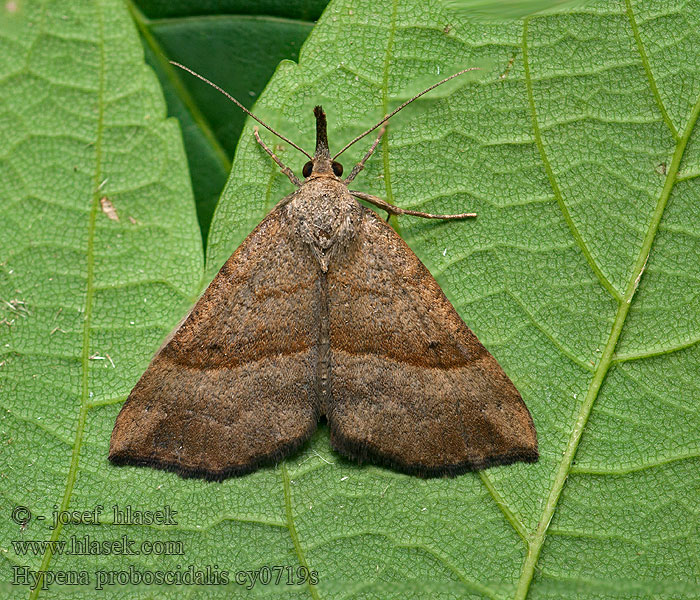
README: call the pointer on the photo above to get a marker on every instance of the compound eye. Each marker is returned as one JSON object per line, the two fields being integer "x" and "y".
{"x": 308, "y": 167}
{"x": 337, "y": 168}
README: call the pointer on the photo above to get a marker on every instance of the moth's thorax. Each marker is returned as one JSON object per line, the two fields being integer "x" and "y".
{"x": 325, "y": 216}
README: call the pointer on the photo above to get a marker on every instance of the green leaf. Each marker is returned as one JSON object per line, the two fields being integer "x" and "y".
{"x": 100, "y": 250}
{"x": 576, "y": 146}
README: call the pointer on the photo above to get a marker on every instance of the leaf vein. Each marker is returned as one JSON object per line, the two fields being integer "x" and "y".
{"x": 293, "y": 530}
{"x": 613, "y": 472}
{"x": 626, "y": 357}
{"x": 647, "y": 70}
{"x": 605, "y": 282}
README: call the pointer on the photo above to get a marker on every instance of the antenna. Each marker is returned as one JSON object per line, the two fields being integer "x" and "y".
{"x": 243, "y": 108}
{"x": 290, "y": 142}
{"x": 392, "y": 113}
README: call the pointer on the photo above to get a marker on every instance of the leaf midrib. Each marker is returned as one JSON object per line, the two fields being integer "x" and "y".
{"x": 288, "y": 508}
{"x": 536, "y": 541}
{"x": 89, "y": 296}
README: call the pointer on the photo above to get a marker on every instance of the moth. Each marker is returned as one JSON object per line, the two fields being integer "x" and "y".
{"x": 324, "y": 310}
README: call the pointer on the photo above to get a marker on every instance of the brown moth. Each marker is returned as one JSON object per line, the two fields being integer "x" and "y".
{"x": 324, "y": 310}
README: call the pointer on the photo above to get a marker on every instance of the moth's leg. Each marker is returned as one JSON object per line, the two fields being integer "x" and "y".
{"x": 361, "y": 165}
{"x": 285, "y": 169}
{"x": 395, "y": 210}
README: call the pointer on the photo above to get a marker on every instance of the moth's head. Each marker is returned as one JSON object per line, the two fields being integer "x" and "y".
{"x": 322, "y": 165}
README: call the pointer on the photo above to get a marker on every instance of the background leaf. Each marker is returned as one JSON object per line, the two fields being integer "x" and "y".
{"x": 577, "y": 148}
{"x": 237, "y": 44}
{"x": 509, "y": 9}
